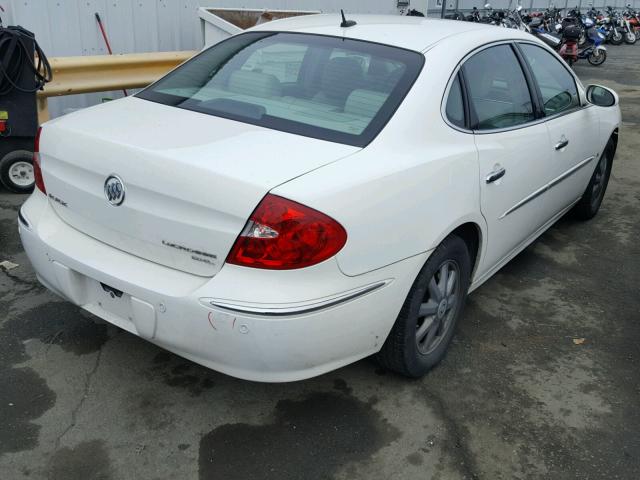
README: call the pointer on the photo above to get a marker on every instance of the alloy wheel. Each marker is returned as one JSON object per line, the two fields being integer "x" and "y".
{"x": 439, "y": 307}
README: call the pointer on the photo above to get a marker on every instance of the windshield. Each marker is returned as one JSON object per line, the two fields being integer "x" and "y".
{"x": 330, "y": 88}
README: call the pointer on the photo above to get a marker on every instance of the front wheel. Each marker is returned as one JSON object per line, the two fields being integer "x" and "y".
{"x": 589, "y": 204}
{"x": 428, "y": 318}
{"x": 16, "y": 171}
{"x": 630, "y": 38}
{"x": 597, "y": 57}
{"x": 616, "y": 37}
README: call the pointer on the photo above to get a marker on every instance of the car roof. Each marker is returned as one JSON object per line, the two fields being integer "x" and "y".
{"x": 414, "y": 33}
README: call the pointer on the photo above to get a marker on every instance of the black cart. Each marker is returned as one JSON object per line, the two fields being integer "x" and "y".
{"x": 23, "y": 71}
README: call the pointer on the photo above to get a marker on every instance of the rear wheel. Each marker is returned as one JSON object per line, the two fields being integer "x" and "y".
{"x": 16, "y": 171}
{"x": 426, "y": 324}
{"x": 588, "y": 206}
{"x": 583, "y": 38}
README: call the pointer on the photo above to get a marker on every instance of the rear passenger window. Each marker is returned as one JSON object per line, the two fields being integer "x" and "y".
{"x": 498, "y": 91}
{"x": 455, "y": 106}
{"x": 557, "y": 86}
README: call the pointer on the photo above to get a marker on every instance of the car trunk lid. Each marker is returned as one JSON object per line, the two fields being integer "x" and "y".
{"x": 190, "y": 180}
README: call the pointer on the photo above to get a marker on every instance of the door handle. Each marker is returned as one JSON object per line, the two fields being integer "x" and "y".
{"x": 497, "y": 174}
{"x": 562, "y": 143}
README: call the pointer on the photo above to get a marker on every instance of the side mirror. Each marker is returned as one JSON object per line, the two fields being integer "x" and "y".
{"x": 601, "y": 96}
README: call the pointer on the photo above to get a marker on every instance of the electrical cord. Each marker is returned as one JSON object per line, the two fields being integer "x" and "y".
{"x": 17, "y": 61}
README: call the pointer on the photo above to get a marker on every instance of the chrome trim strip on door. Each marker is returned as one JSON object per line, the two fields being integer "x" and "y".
{"x": 570, "y": 171}
{"x": 299, "y": 309}
{"x": 546, "y": 187}
{"x": 525, "y": 200}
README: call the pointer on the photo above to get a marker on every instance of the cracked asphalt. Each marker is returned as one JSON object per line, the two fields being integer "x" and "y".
{"x": 516, "y": 397}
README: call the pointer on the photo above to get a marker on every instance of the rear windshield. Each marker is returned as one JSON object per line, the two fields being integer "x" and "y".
{"x": 330, "y": 88}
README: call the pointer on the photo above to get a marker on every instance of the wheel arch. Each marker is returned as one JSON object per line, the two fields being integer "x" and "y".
{"x": 471, "y": 233}
{"x": 472, "y": 230}
{"x": 614, "y": 139}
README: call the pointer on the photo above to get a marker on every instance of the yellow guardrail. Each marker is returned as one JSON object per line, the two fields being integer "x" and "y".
{"x": 103, "y": 73}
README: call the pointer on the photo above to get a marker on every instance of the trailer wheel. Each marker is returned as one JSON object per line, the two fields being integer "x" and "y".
{"x": 16, "y": 171}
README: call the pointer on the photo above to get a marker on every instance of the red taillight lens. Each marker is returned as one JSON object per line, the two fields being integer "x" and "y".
{"x": 37, "y": 171}
{"x": 282, "y": 234}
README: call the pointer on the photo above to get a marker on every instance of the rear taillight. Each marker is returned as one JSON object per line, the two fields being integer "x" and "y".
{"x": 282, "y": 234}
{"x": 37, "y": 171}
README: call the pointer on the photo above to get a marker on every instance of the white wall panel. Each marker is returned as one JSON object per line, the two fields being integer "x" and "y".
{"x": 120, "y": 26}
{"x": 145, "y": 21}
{"x": 167, "y": 12}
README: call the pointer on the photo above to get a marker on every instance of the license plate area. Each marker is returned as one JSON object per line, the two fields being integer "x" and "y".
{"x": 123, "y": 310}
{"x": 112, "y": 292}
{"x": 111, "y": 300}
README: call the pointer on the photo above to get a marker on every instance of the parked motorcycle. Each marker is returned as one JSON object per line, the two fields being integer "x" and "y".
{"x": 574, "y": 17}
{"x": 609, "y": 21}
{"x": 593, "y": 51}
{"x": 628, "y": 32}
{"x": 538, "y": 29}
{"x": 634, "y": 20}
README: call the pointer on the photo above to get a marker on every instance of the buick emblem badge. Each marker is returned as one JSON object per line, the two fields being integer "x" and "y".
{"x": 114, "y": 190}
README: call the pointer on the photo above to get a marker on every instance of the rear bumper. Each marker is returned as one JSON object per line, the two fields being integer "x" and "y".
{"x": 252, "y": 324}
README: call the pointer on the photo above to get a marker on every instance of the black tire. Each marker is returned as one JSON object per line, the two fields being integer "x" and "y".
{"x": 582, "y": 41}
{"x": 401, "y": 352}
{"x": 9, "y": 160}
{"x": 630, "y": 38}
{"x": 597, "y": 60}
{"x": 614, "y": 41}
{"x": 589, "y": 204}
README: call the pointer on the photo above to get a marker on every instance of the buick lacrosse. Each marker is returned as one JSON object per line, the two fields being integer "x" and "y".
{"x": 311, "y": 192}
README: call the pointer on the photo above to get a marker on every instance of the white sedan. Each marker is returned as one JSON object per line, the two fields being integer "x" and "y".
{"x": 309, "y": 193}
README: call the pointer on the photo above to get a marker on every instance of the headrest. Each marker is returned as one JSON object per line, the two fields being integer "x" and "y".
{"x": 341, "y": 76}
{"x": 257, "y": 84}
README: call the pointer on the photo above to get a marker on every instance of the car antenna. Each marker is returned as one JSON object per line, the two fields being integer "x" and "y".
{"x": 346, "y": 23}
